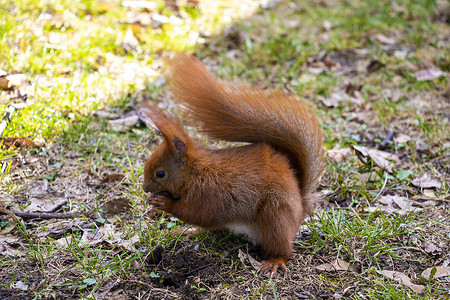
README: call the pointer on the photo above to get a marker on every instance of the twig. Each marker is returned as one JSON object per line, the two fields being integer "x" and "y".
{"x": 140, "y": 219}
{"x": 58, "y": 206}
{"x": 42, "y": 215}
{"x": 388, "y": 137}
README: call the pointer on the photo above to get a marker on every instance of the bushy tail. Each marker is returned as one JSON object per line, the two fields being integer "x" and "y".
{"x": 249, "y": 114}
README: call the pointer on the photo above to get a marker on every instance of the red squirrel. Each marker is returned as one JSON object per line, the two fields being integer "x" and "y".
{"x": 263, "y": 189}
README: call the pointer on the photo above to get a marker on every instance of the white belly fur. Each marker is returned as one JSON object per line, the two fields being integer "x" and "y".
{"x": 242, "y": 228}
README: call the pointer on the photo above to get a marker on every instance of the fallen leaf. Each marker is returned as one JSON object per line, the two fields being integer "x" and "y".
{"x": 19, "y": 285}
{"x": 441, "y": 271}
{"x": 367, "y": 177}
{"x": 382, "y": 159}
{"x": 337, "y": 265}
{"x": 105, "y": 114}
{"x": 125, "y": 123}
{"x": 112, "y": 177}
{"x": 335, "y": 99}
{"x": 128, "y": 244}
{"x": 327, "y": 25}
{"x": 245, "y": 256}
{"x": 130, "y": 42}
{"x": 400, "y": 277}
{"x": 428, "y": 74}
{"x": 64, "y": 241}
{"x": 395, "y": 204}
{"x": 39, "y": 190}
{"x": 431, "y": 248}
{"x": 384, "y": 39}
{"x": 44, "y": 204}
{"x": 337, "y": 155}
{"x": 401, "y": 202}
{"x": 429, "y": 193}
{"x": 116, "y": 206}
{"x": 426, "y": 182}
{"x": 7, "y": 246}
{"x": 92, "y": 238}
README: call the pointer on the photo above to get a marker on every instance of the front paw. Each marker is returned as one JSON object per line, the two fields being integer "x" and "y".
{"x": 160, "y": 202}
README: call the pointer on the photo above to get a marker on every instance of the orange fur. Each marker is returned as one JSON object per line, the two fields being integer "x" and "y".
{"x": 264, "y": 188}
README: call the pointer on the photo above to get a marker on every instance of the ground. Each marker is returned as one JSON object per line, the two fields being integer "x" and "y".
{"x": 375, "y": 72}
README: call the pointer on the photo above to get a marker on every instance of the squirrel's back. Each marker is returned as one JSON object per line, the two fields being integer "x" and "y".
{"x": 249, "y": 114}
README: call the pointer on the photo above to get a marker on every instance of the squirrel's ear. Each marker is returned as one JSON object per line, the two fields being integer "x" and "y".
{"x": 179, "y": 148}
{"x": 178, "y": 144}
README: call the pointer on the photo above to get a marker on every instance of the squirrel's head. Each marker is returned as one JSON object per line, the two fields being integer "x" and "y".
{"x": 164, "y": 171}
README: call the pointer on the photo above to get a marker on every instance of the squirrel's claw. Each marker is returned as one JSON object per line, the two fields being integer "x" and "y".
{"x": 272, "y": 265}
{"x": 159, "y": 202}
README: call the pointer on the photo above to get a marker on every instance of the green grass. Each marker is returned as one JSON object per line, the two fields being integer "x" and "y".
{"x": 73, "y": 56}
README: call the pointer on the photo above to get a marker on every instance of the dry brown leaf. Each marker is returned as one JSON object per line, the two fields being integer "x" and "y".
{"x": 327, "y": 25}
{"x": 7, "y": 229}
{"x": 335, "y": 99}
{"x": 400, "y": 277}
{"x": 39, "y": 190}
{"x": 429, "y": 193}
{"x": 6, "y": 246}
{"x": 245, "y": 256}
{"x": 19, "y": 285}
{"x": 337, "y": 155}
{"x": 128, "y": 244}
{"x": 395, "y": 204}
{"x": 428, "y": 74}
{"x": 426, "y": 182}
{"x": 112, "y": 177}
{"x": 431, "y": 248}
{"x": 105, "y": 114}
{"x": 367, "y": 177}
{"x": 44, "y": 204}
{"x": 124, "y": 123}
{"x": 441, "y": 271}
{"x": 93, "y": 237}
{"x": 384, "y": 39}
{"x": 402, "y": 138}
{"x": 337, "y": 265}
{"x": 116, "y": 206}
{"x": 130, "y": 42}
{"x": 64, "y": 241}
{"x": 382, "y": 159}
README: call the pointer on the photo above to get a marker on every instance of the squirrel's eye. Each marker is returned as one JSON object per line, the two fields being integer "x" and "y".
{"x": 160, "y": 174}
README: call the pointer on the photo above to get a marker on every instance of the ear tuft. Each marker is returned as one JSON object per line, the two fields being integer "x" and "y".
{"x": 178, "y": 144}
